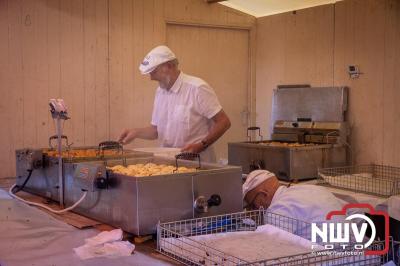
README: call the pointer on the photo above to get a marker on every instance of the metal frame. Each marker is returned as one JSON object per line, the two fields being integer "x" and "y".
{"x": 175, "y": 236}
{"x": 396, "y": 252}
{"x": 379, "y": 180}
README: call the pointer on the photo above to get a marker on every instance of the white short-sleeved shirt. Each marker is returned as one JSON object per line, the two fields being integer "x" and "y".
{"x": 308, "y": 203}
{"x": 183, "y": 113}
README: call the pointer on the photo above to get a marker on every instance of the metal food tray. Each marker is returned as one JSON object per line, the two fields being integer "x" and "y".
{"x": 176, "y": 235}
{"x": 99, "y": 156}
{"x": 379, "y": 180}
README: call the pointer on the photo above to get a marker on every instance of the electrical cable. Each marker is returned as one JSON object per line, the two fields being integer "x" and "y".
{"x": 44, "y": 206}
{"x": 19, "y": 188}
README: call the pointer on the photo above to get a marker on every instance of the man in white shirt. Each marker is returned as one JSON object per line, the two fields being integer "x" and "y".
{"x": 186, "y": 112}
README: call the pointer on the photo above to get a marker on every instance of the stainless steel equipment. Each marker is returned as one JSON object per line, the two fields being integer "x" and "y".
{"x": 38, "y": 168}
{"x": 135, "y": 204}
{"x": 308, "y": 132}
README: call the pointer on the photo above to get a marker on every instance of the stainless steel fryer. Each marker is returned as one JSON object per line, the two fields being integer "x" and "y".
{"x": 137, "y": 204}
{"x": 42, "y": 168}
{"x": 308, "y": 132}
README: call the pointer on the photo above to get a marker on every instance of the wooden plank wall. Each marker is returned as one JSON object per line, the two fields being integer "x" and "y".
{"x": 316, "y": 45}
{"x": 292, "y": 48}
{"x": 87, "y": 52}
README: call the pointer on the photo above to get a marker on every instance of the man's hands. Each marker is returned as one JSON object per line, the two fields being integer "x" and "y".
{"x": 193, "y": 148}
{"x": 221, "y": 124}
{"x": 127, "y": 136}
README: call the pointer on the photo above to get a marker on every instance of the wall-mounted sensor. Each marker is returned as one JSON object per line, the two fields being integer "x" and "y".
{"x": 354, "y": 71}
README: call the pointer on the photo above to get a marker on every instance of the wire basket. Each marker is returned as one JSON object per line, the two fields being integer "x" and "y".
{"x": 379, "y": 180}
{"x": 176, "y": 240}
{"x": 173, "y": 239}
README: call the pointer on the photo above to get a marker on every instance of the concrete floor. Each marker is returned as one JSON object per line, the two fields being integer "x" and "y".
{"x": 29, "y": 236}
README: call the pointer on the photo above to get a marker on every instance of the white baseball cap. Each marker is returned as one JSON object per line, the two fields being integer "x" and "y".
{"x": 254, "y": 179}
{"x": 156, "y": 57}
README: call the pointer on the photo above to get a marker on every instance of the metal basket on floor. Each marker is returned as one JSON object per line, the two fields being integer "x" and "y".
{"x": 175, "y": 241}
{"x": 379, "y": 180}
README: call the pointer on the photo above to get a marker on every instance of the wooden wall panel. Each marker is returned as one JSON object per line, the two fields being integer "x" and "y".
{"x": 89, "y": 70}
{"x": 292, "y": 48}
{"x": 13, "y": 117}
{"x": 119, "y": 12}
{"x": 42, "y": 69}
{"x": 102, "y": 92}
{"x": 3, "y": 44}
{"x": 72, "y": 54}
{"x": 93, "y": 116}
{"x": 316, "y": 46}
{"x": 132, "y": 94}
{"x": 148, "y": 89}
{"x": 139, "y": 52}
{"x": 270, "y": 49}
{"x": 53, "y": 40}
{"x": 87, "y": 52}
{"x": 366, "y": 49}
{"x": 391, "y": 85}
{"x": 29, "y": 79}
{"x": 308, "y": 46}
{"x": 396, "y": 118}
{"x": 5, "y": 98}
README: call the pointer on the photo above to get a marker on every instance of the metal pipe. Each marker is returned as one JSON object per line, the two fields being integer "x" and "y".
{"x": 60, "y": 164}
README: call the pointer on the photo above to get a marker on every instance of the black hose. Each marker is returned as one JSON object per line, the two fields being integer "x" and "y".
{"x": 19, "y": 188}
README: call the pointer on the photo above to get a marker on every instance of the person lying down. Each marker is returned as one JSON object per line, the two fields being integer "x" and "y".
{"x": 309, "y": 203}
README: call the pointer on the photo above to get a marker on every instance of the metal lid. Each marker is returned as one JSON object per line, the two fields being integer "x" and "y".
{"x": 318, "y": 104}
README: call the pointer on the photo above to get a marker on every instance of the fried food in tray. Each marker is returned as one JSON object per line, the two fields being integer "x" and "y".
{"x": 286, "y": 144}
{"x": 149, "y": 169}
{"x": 81, "y": 153}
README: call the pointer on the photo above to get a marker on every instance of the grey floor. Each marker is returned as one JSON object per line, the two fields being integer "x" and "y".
{"x": 29, "y": 236}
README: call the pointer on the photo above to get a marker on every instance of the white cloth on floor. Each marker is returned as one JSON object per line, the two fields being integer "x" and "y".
{"x": 104, "y": 237}
{"x": 110, "y": 250}
{"x": 105, "y": 244}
